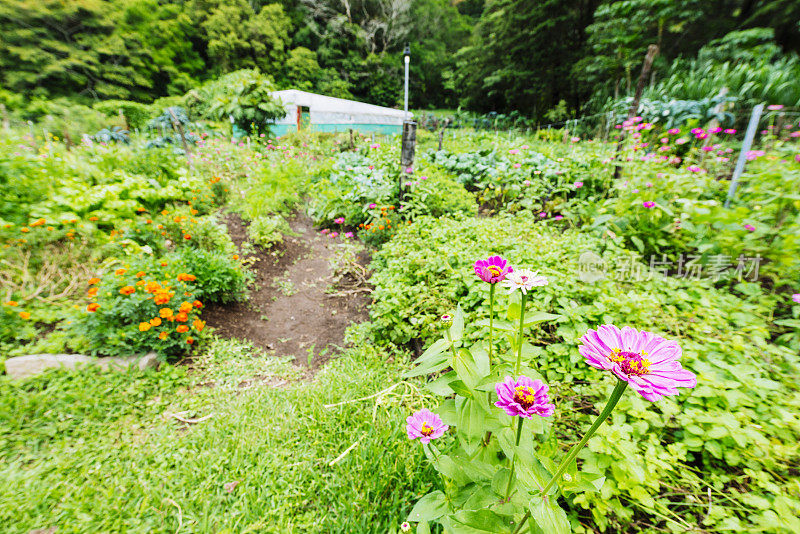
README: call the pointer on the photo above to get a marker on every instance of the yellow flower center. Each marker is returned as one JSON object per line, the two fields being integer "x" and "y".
{"x": 524, "y": 396}
{"x": 425, "y": 430}
{"x": 631, "y": 363}
{"x": 494, "y": 270}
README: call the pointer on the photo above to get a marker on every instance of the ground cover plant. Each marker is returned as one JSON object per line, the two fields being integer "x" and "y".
{"x": 131, "y": 243}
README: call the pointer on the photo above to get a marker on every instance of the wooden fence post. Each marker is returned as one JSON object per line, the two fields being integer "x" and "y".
{"x": 179, "y": 128}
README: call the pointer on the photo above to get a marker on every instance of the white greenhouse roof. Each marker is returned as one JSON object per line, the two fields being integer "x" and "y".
{"x": 328, "y": 109}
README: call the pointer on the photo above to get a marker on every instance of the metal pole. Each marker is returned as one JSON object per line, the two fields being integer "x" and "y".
{"x": 407, "y": 60}
{"x": 748, "y": 142}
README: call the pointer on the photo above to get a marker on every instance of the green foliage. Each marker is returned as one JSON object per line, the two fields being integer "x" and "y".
{"x": 650, "y": 450}
{"x": 136, "y": 115}
{"x": 125, "y": 318}
{"x": 116, "y": 422}
{"x": 243, "y": 95}
{"x": 268, "y": 231}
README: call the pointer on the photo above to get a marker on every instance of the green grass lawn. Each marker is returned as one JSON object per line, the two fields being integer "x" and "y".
{"x": 98, "y": 452}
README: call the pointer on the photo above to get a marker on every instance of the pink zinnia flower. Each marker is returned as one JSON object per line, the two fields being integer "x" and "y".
{"x": 648, "y": 362}
{"x": 513, "y": 151}
{"x": 333, "y": 234}
{"x": 524, "y": 280}
{"x": 558, "y": 217}
{"x": 523, "y": 397}
{"x": 493, "y": 269}
{"x": 749, "y": 227}
{"x": 575, "y": 139}
{"x": 543, "y": 214}
{"x": 729, "y": 131}
{"x": 339, "y": 220}
{"x": 425, "y": 425}
{"x": 796, "y": 298}
{"x": 649, "y": 204}
{"x": 681, "y": 141}
{"x": 673, "y": 131}
{"x": 348, "y": 234}
{"x": 774, "y": 107}
{"x": 577, "y": 185}
{"x": 324, "y": 231}
{"x": 372, "y": 206}
{"x": 517, "y": 165}
{"x": 649, "y": 184}
{"x": 375, "y": 145}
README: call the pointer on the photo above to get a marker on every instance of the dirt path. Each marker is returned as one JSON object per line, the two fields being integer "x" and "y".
{"x": 289, "y": 312}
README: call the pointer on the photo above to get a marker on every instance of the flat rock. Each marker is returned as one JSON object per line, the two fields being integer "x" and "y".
{"x": 32, "y": 364}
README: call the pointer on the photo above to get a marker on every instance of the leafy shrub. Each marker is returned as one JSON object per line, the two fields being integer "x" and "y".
{"x": 136, "y": 114}
{"x": 268, "y": 230}
{"x": 436, "y": 194}
{"x": 220, "y": 277}
{"x": 740, "y": 405}
{"x": 113, "y": 135}
{"x": 244, "y": 95}
{"x": 149, "y": 305}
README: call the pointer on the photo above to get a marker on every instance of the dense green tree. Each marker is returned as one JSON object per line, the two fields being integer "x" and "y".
{"x": 522, "y": 55}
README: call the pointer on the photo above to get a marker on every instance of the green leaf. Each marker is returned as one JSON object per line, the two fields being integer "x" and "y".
{"x": 457, "y": 330}
{"x": 465, "y": 368}
{"x": 638, "y": 243}
{"x": 478, "y": 522}
{"x": 539, "y": 317}
{"x": 549, "y": 516}
{"x": 431, "y": 506}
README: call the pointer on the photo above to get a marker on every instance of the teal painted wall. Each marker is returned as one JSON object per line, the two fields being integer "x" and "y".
{"x": 389, "y": 129}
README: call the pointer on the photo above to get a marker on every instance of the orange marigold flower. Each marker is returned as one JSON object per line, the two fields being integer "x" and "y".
{"x": 92, "y": 292}
{"x": 50, "y": 228}
{"x": 128, "y": 290}
{"x": 93, "y": 218}
{"x": 140, "y": 282}
{"x": 163, "y": 264}
{"x": 93, "y": 307}
{"x": 235, "y": 256}
{"x": 120, "y": 272}
{"x": 380, "y": 227}
{"x": 155, "y": 321}
{"x": 39, "y": 222}
{"x": 25, "y": 315}
{"x": 183, "y": 277}
{"x": 164, "y": 213}
{"x": 199, "y": 325}
{"x": 186, "y": 307}
{"x": 197, "y": 304}
{"x": 11, "y": 303}
{"x": 194, "y": 211}
{"x": 148, "y": 221}
{"x": 140, "y": 274}
{"x": 177, "y": 219}
{"x": 182, "y": 328}
{"x": 152, "y": 287}
{"x": 162, "y": 298}
{"x": 140, "y": 209}
{"x": 165, "y": 312}
{"x": 144, "y": 327}
{"x": 162, "y": 335}
{"x": 190, "y": 340}
{"x": 24, "y": 229}
{"x": 182, "y": 317}
{"x": 187, "y": 236}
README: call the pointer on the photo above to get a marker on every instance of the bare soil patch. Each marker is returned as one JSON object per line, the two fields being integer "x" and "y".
{"x": 289, "y": 312}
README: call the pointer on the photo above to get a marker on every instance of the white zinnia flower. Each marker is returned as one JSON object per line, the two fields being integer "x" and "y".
{"x": 524, "y": 280}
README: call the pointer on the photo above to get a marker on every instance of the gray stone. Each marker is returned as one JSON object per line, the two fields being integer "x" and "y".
{"x": 32, "y": 364}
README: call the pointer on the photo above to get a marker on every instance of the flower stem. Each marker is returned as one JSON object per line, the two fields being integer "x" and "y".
{"x": 514, "y": 459}
{"x": 521, "y": 324}
{"x": 522, "y": 521}
{"x": 452, "y": 345}
{"x": 491, "y": 321}
{"x": 612, "y": 402}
